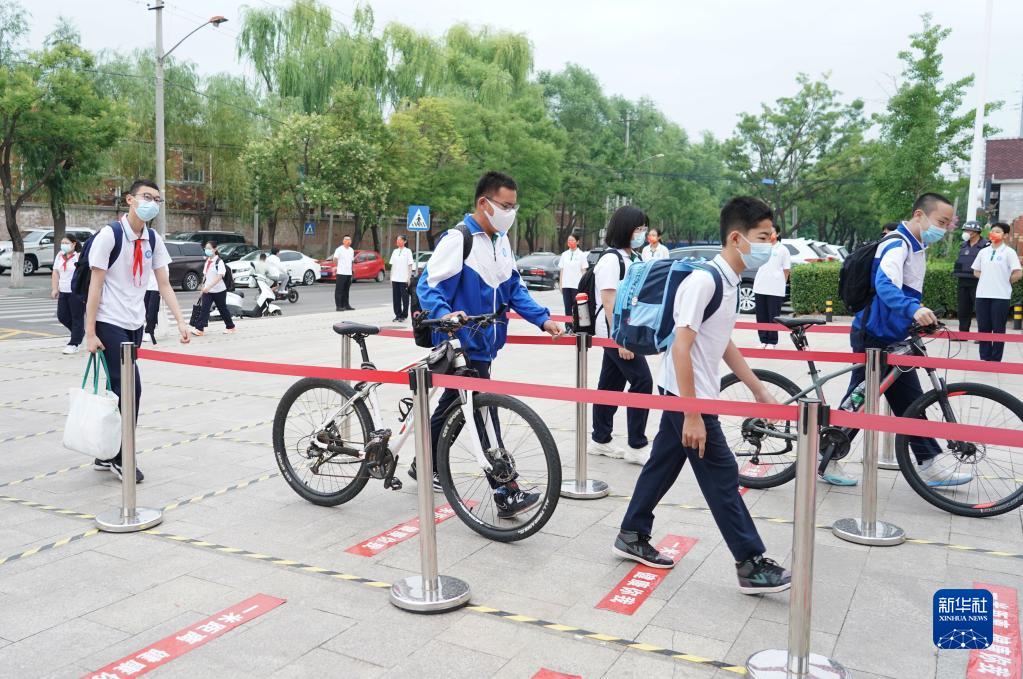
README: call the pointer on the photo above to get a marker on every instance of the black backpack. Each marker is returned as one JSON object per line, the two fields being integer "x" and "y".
{"x": 588, "y": 285}
{"x": 228, "y": 277}
{"x": 423, "y": 336}
{"x": 82, "y": 276}
{"x": 855, "y": 280}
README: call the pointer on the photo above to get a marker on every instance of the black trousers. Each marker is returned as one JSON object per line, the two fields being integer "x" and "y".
{"x": 966, "y": 302}
{"x": 71, "y": 314}
{"x": 342, "y": 285}
{"x": 112, "y": 336}
{"x": 568, "y": 296}
{"x": 152, "y": 302}
{"x": 448, "y": 397}
{"x": 615, "y": 371}
{"x": 208, "y": 300}
{"x": 717, "y": 473}
{"x": 400, "y": 299}
{"x": 992, "y": 315}
{"x": 768, "y": 308}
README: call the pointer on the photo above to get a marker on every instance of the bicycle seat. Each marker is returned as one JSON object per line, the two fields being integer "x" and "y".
{"x": 349, "y": 328}
{"x": 792, "y": 322}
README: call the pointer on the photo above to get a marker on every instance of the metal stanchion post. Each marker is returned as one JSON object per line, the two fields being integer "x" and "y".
{"x": 867, "y": 530}
{"x": 129, "y": 518}
{"x": 886, "y": 457}
{"x": 428, "y": 592}
{"x": 797, "y": 662}
{"x": 581, "y": 487}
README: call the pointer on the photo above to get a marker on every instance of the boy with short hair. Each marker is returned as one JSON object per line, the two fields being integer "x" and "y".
{"x": 690, "y": 370}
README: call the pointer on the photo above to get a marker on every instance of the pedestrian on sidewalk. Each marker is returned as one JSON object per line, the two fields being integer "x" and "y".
{"x": 214, "y": 291}
{"x": 654, "y": 248}
{"x": 570, "y": 271}
{"x": 690, "y": 369}
{"x": 343, "y": 258}
{"x": 401, "y": 272}
{"x": 626, "y": 232}
{"x": 152, "y": 302}
{"x": 997, "y": 267}
{"x": 115, "y": 311}
{"x": 966, "y": 282}
{"x": 769, "y": 289}
{"x": 70, "y": 307}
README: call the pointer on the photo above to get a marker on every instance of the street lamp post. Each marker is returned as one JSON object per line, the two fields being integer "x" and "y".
{"x": 161, "y": 146}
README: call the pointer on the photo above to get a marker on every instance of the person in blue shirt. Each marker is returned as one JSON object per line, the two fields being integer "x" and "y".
{"x": 481, "y": 283}
{"x": 899, "y": 267}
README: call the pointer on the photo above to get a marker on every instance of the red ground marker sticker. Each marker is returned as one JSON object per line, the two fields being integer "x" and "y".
{"x": 183, "y": 641}
{"x": 755, "y": 470}
{"x": 545, "y": 673}
{"x": 400, "y": 533}
{"x": 642, "y": 580}
{"x": 1003, "y": 658}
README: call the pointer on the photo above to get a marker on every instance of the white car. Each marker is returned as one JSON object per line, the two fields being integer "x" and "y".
{"x": 38, "y": 248}
{"x": 803, "y": 251}
{"x": 302, "y": 268}
{"x": 832, "y": 251}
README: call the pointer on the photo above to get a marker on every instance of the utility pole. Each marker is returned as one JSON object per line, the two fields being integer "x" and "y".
{"x": 628, "y": 122}
{"x": 161, "y": 150}
{"x": 975, "y": 199}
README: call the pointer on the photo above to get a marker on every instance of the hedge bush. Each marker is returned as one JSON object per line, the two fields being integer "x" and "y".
{"x": 813, "y": 284}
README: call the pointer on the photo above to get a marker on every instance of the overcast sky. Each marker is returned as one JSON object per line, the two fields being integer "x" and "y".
{"x": 702, "y": 63}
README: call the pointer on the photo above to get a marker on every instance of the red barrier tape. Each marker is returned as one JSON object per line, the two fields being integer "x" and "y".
{"x": 896, "y": 425}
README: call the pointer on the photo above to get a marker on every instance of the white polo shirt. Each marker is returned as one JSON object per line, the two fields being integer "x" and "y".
{"x": 572, "y": 263}
{"x": 995, "y": 266}
{"x": 345, "y": 257}
{"x": 712, "y": 335}
{"x": 122, "y": 302}
{"x": 214, "y": 266}
{"x": 65, "y": 268}
{"x": 605, "y": 277}
{"x": 401, "y": 265}
{"x": 650, "y": 253}
{"x": 770, "y": 278}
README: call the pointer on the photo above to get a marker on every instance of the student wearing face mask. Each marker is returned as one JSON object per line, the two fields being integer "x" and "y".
{"x": 214, "y": 291}
{"x": 899, "y": 266}
{"x": 479, "y": 280}
{"x": 70, "y": 307}
{"x": 769, "y": 289}
{"x": 996, "y": 267}
{"x": 570, "y": 271}
{"x": 966, "y": 282}
{"x": 654, "y": 248}
{"x": 625, "y": 235}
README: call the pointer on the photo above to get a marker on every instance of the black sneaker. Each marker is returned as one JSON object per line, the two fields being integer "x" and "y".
{"x": 437, "y": 488}
{"x": 760, "y": 575}
{"x": 395, "y": 320}
{"x": 101, "y": 465}
{"x": 512, "y": 501}
{"x": 631, "y": 545}
{"x": 115, "y": 468}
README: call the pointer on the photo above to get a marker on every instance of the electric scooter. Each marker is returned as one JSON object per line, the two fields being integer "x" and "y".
{"x": 263, "y": 305}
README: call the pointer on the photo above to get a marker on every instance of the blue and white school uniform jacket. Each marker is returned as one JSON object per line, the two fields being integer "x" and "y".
{"x": 898, "y": 270}
{"x": 479, "y": 285}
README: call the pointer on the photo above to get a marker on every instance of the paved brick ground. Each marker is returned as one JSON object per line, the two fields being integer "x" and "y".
{"x": 93, "y": 598}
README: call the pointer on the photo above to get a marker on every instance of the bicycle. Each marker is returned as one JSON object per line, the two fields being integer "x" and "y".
{"x": 765, "y": 451}
{"x": 328, "y": 446}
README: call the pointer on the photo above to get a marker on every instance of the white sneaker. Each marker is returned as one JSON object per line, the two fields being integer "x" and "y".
{"x": 765, "y": 346}
{"x": 70, "y": 349}
{"x": 606, "y": 449}
{"x": 940, "y": 477}
{"x": 637, "y": 455}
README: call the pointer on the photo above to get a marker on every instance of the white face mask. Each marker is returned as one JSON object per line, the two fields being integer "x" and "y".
{"x": 966, "y": 235}
{"x": 502, "y": 219}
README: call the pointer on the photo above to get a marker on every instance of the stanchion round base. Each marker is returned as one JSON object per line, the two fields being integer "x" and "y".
{"x": 773, "y": 664}
{"x": 890, "y": 466}
{"x": 585, "y": 490}
{"x": 112, "y": 521}
{"x": 450, "y": 593}
{"x": 854, "y": 530}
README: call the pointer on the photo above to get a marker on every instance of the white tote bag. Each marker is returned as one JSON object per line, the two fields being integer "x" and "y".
{"x": 93, "y": 425}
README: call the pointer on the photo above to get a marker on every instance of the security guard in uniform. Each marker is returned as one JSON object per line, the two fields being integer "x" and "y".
{"x": 966, "y": 298}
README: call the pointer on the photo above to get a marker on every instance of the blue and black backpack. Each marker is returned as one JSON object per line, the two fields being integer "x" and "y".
{"x": 83, "y": 271}
{"x": 644, "y": 318}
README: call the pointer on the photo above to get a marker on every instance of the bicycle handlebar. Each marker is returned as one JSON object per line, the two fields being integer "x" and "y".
{"x": 456, "y": 323}
{"x": 921, "y": 330}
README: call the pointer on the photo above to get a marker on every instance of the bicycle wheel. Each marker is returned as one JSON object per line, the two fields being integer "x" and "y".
{"x": 524, "y": 450}
{"x": 765, "y": 461}
{"x": 312, "y": 458}
{"x": 996, "y": 486}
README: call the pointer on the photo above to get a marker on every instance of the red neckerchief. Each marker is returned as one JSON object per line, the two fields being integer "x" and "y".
{"x": 67, "y": 258}
{"x": 209, "y": 260}
{"x": 136, "y": 257}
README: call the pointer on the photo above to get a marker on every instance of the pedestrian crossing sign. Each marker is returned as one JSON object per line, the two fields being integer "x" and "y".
{"x": 418, "y": 217}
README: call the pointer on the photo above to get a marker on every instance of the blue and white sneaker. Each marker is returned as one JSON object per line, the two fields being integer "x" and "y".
{"x": 834, "y": 475}
{"x": 942, "y": 477}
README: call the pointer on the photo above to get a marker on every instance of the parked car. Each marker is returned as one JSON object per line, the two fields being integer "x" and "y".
{"x": 203, "y": 237}
{"x": 831, "y": 252}
{"x": 368, "y": 264}
{"x": 423, "y": 257}
{"x": 539, "y": 270}
{"x": 804, "y": 251}
{"x": 232, "y": 252}
{"x": 186, "y": 267}
{"x": 302, "y": 268}
{"x": 747, "y": 300}
{"x": 38, "y": 248}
